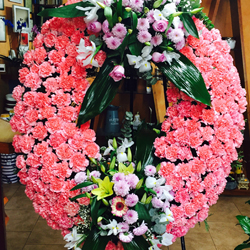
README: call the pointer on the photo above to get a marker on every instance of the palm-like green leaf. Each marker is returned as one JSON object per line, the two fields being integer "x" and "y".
{"x": 101, "y": 92}
{"x": 184, "y": 74}
{"x": 189, "y": 24}
{"x": 68, "y": 11}
{"x": 245, "y": 223}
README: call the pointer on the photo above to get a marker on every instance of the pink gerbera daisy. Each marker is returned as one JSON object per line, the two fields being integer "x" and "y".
{"x": 118, "y": 206}
{"x": 119, "y": 30}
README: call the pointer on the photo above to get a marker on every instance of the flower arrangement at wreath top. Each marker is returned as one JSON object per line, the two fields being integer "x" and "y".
{"x": 123, "y": 202}
{"x": 135, "y": 33}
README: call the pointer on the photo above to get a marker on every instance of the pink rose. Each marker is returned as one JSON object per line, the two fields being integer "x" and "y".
{"x": 117, "y": 73}
{"x": 158, "y": 57}
{"x": 160, "y": 25}
{"x": 95, "y": 27}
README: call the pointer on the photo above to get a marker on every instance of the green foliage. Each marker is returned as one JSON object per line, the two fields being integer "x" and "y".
{"x": 127, "y": 124}
{"x": 184, "y": 74}
{"x": 189, "y": 25}
{"x": 138, "y": 243}
{"x": 67, "y": 11}
{"x": 203, "y": 17}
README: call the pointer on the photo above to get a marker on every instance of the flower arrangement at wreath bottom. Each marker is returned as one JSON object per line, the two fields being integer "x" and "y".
{"x": 125, "y": 202}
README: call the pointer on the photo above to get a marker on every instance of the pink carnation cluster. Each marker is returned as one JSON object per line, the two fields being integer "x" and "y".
{"x": 201, "y": 141}
{"x": 48, "y": 103}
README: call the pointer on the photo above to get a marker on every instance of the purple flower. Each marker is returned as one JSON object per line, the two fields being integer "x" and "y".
{"x": 157, "y": 203}
{"x": 119, "y": 30}
{"x": 80, "y": 177}
{"x": 131, "y": 200}
{"x": 160, "y": 25}
{"x": 150, "y": 16}
{"x": 105, "y": 26}
{"x": 176, "y": 35}
{"x": 94, "y": 26}
{"x": 144, "y": 36}
{"x": 136, "y": 4}
{"x": 142, "y": 229}
{"x": 143, "y": 24}
{"x": 131, "y": 216}
{"x": 180, "y": 44}
{"x": 125, "y": 237}
{"x": 132, "y": 180}
{"x": 117, "y": 73}
{"x": 156, "y": 40}
{"x": 118, "y": 177}
{"x": 158, "y": 57}
{"x": 123, "y": 227}
{"x": 158, "y": 190}
{"x": 149, "y": 169}
{"x": 95, "y": 173}
{"x": 113, "y": 42}
{"x": 121, "y": 188}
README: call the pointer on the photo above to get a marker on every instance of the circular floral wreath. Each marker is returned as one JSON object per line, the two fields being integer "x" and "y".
{"x": 196, "y": 152}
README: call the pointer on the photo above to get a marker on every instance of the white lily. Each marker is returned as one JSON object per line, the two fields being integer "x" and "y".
{"x": 109, "y": 148}
{"x": 86, "y": 53}
{"x": 160, "y": 181}
{"x": 154, "y": 246}
{"x": 167, "y": 217}
{"x": 169, "y": 9}
{"x": 132, "y": 60}
{"x": 126, "y": 143}
{"x": 176, "y": 22}
{"x": 113, "y": 228}
{"x": 121, "y": 155}
{"x": 146, "y": 51}
{"x": 150, "y": 182}
{"x": 165, "y": 194}
{"x": 170, "y": 56}
{"x": 90, "y": 12}
{"x": 72, "y": 238}
{"x": 167, "y": 239}
{"x": 158, "y": 15}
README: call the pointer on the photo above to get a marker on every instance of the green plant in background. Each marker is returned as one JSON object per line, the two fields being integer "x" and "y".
{"x": 244, "y": 222}
{"x": 127, "y": 131}
{"x": 237, "y": 165}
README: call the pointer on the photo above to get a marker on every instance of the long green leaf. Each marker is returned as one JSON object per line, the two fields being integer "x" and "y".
{"x": 134, "y": 20}
{"x": 119, "y": 8}
{"x": 138, "y": 243}
{"x": 143, "y": 213}
{"x": 81, "y": 185}
{"x": 99, "y": 95}
{"x": 144, "y": 146}
{"x": 78, "y": 196}
{"x": 245, "y": 223}
{"x": 134, "y": 46}
{"x": 189, "y": 24}
{"x": 67, "y": 11}
{"x": 242, "y": 246}
{"x": 94, "y": 210}
{"x": 183, "y": 73}
{"x": 94, "y": 241}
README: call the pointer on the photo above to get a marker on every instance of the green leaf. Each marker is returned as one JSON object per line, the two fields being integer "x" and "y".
{"x": 189, "y": 25}
{"x": 94, "y": 210}
{"x": 144, "y": 146}
{"x": 108, "y": 15}
{"x": 125, "y": 14}
{"x": 195, "y": 4}
{"x": 135, "y": 48}
{"x": 242, "y": 246}
{"x": 184, "y": 74}
{"x": 124, "y": 44}
{"x": 81, "y": 185}
{"x": 67, "y": 11}
{"x": 170, "y": 21}
{"x": 245, "y": 223}
{"x": 134, "y": 20}
{"x": 119, "y": 8}
{"x": 94, "y": 241}
{"x": 247, "y": 202}
{"x": 100, "y": 93}
{"x": 97, "y": 49}
{"x": 78, "y": 196}
{"x": 101, "y": 211}
{"x": 138, "y": 243}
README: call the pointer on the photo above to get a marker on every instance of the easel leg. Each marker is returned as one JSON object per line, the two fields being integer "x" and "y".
{"x": 183, "y": 247}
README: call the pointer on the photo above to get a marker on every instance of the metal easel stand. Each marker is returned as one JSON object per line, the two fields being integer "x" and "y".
{"x": 183, "y": 247}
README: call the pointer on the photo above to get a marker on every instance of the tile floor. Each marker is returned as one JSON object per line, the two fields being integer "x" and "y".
{"x": 26, "y": 230}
